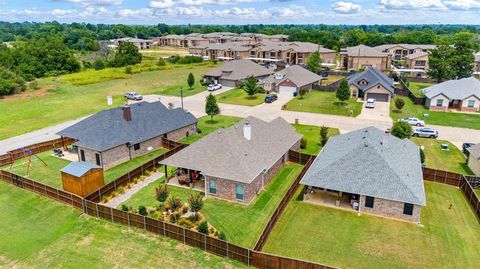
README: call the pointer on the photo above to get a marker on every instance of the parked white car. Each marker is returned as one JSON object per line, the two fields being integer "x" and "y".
{"x": 370, "y": 103}
{"x": 414, "y": 121}
{"x": 214, "y": 87}
{"x": 425, "y": 132}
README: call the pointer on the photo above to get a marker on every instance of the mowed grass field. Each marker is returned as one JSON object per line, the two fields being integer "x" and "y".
{"x": 57, "y": 100}
{"x": 40, "y": 233}
{"x": 325, "y": 103}
{"x": 451, "y": 160}
{"x": 452, "y": 119}
{"x": 206, "y": 126}
{"x": 238, "y": 96}
{"x": 312, "y": 134}
{"x": 450, "y": 237}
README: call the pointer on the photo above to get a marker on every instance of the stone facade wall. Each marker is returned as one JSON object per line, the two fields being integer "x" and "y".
{"x": 390, "y": 208}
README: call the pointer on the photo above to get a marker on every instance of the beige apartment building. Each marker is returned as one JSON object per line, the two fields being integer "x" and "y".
{"x": 363, "y": 57}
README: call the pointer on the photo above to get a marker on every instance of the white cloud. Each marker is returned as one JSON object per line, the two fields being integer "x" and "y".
{"x": 412, "y": 4}
{"x": 144, "y": 12}
{"x": 92, "y": 2}
{"x": 463, "y": 4}
{"x": 346, "y": 7}
{"x": 162, "y": 4}
{"x": 62, "y": 12}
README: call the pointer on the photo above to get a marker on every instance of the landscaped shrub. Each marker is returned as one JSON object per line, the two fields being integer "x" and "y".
{"x": 128, "y": 69}
{"x": 422, "y": 156}
{"x": 196, "y": 202}
{"x": 203, "y": 227}
{"x": 99, "y": 64}
{"x": 124, "y": 208}
{"x": 104, "y": 198}
{"x": 185, "y": 209}
{"x": 142, "y": 210}
{"x": 401, "y": 130}
{"x": 222, "y": 236}
{"x": 185, "y": 223}
{"x": 33, "y": 85}
{"x": 174, "y": 203}
{"x": 121, "y": 190}
{"x": 399, "y": 103}
{"x": 161, "y": 62}
{"x": 303, "y": 143}
{"x": 161, "y": 193}
{"x": 193, "y": 218}
{"x": 323, "y": 135}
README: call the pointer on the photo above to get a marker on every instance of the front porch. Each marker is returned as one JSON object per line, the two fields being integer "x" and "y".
{"x": 331, "y": 198}
{"x": 186, "y": 178}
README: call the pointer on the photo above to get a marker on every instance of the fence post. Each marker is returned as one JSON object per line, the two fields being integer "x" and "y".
{"x": 205, "y": 238}
{"x": 459, "y": 179}
{"x": 111, "y": 213}
{"x": 164, "y": 232}
{"x": 144, "y": 223}
{"x": 445, "y": 179}
{"x": 58, "y": 195}
{"x": 184, "y": 237}
{"x": 96, "y": 207}
{"x": 227, "y": 249}
{"x": 248, "y": 257}
{"x": 84, "y": 206}
{"x": 128, "y": 218}
{"x": 435, "y": 175}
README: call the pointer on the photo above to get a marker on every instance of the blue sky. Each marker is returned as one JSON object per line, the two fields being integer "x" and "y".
{"x": 244, "y": 11}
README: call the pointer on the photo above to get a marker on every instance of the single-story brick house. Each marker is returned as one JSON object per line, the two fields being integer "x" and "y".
{"x": 232, "y": 73}
{"x": 237, "y": 162}
{"x": 474, "y": 159}
{"x": 462, "y": 94}
{"x": 369, "y": 171}
{"x": 113, "y": 136}
{"x": 291, "y": 80}
{"x": 371, "y": 83}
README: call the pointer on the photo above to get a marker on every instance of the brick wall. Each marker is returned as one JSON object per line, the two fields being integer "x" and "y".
{"x": 182, "y": 132}
{"x": 438, "y": 108}
{"x": 469, "y": 109}
{"x": 390, "y": 208}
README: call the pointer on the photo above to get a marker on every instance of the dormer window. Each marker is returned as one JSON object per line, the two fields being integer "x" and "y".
{"x": 279, "y": 76}
{"x": 363, "y": 82}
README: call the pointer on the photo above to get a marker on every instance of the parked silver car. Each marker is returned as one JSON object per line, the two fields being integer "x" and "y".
{"x": 133, "y": 96}
{"x": 414, "y": 121}
{"x": 425, "y": 132}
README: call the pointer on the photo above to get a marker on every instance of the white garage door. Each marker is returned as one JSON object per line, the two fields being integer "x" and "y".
{"x": 285, "y": 89}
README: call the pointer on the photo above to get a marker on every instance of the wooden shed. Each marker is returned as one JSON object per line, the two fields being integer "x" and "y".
{"x": 82, "y": 178}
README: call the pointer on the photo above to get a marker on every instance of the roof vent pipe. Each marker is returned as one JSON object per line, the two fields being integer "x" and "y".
{"x": 247, "y": 130}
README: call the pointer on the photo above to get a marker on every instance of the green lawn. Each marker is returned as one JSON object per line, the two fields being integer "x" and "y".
{"x": 416, "y": 88}
{"x": 450, "y": 238}
{"x": 452, "y": 119}
{"x": 121, "y": 169}
{"x": 450, "y": 160}
{"x": 238, "y": 96}
{"x": 324, "y": 103}
{"x": 40, "y": 233}
{"x": 331, "y": 79}
{"x": 243, "y": 224}
{"x": 49, "y": 174}
{"x": 58, "y": 101}
{"x": 312, "y": 134}
{"x": 207, "y": 126}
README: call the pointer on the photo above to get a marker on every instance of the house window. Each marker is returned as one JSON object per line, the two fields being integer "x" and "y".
{"x": 239, "y": 192}
{"x": 82, "y": 155}
{"x": 408, "y": 209}
{"x": 471, "y": 103}
{"x": 136, "y": 146}
{"x": 439, "y": 102}
{"x": 369, "y": 200}
{"x": 97, "y": 159}
{"x": 212, "y": 185}
{"x": 420, "y": 63}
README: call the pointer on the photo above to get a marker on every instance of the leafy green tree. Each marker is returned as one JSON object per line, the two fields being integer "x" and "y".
{"x": 161, "y": 193}
{"x": 196, "y": 202}
{"x": 142, "y": 210}
{"x": 462, "y": 60}
{"x": 343, "y": 91}
{"x": 10, "y": 82}
{"x": 302, "y": 92}
{"x": 250, "y": 86}
{"x": 174, "y": 203}
{"x": 401, "y": 130}
{"x": 161, "y": 62}
{"x": 314, "y": 62}
{"x": 422, "y": 156}
{"x": 323, "y": 135}
{"x": 190, "y": 80}
{"x": 211, "y": 106}
{"x": 99, "y": 64}
{"x": 440, "y": 64}
{"x": 126, "y": 54}
{"x": 399, "y": 103}
{"x": 222, "y": 236}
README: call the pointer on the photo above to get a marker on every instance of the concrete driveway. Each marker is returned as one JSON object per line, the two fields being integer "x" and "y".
{"x": 380, "y": 112}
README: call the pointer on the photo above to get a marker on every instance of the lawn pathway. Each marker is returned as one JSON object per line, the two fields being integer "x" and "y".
{"x": 125, "y": 196}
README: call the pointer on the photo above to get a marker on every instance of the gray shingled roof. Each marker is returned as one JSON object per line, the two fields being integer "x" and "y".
{"x": 78, "y": 169}
{"x": 107, "y": 129}
{"x": 406, "y": 46}
{"x": 297, "y": 74}
{"x": 227, "y": 154}
{"x": 238, "y": 70}
{"x": 417, "y": 55}
{"x": 364, "y": 51}
{"x": 455, "y": 89}
{"x": 374, "y": 77}
{"x": 370, "y": 162}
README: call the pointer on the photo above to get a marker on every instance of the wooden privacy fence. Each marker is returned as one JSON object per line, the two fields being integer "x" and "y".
{"x": 14, "y": 155}
{"x": 283, "y": 203}
{"x": 129, "y": 177}
{"x": 298, "y": 157}
{"x": 458, "y": 180}
{"x": 270, "y": 261}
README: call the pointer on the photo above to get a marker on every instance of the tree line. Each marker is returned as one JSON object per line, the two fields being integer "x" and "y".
{"x": 84, "y": 36}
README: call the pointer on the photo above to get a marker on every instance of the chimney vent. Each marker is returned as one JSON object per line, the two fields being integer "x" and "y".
{"x": 127, "y": 113}
{"x": 247, "y": 131}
